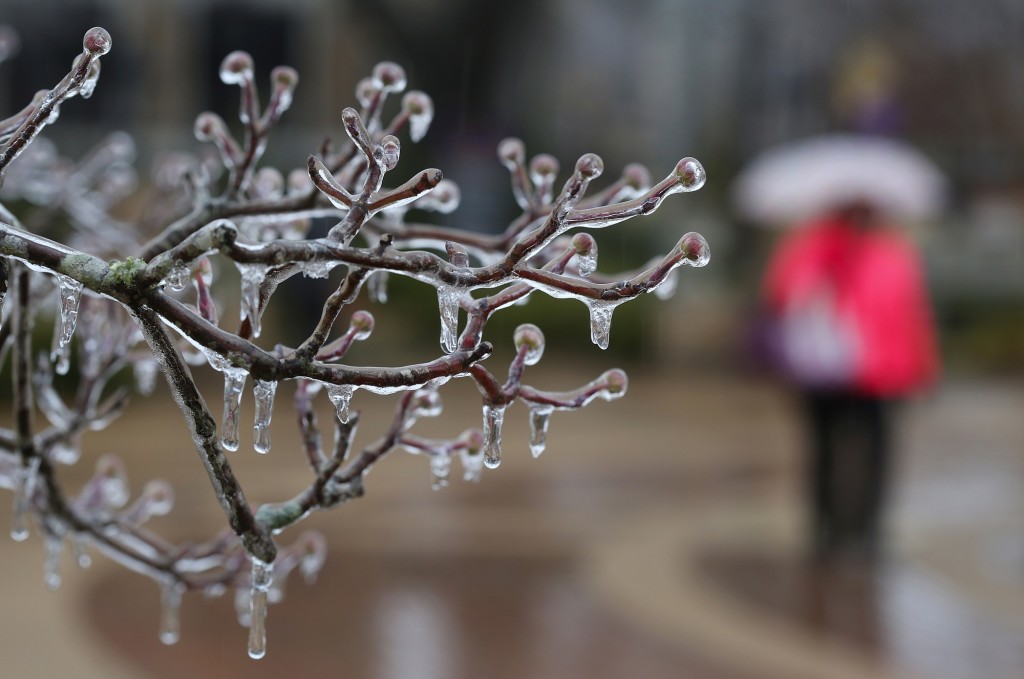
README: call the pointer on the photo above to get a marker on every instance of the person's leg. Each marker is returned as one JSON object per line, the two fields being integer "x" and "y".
{"x": 877, "y": 425}
{"x": 820, "y": 413}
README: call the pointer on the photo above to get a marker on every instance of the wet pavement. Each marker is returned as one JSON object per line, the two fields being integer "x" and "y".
{"x": 659, "y": 536}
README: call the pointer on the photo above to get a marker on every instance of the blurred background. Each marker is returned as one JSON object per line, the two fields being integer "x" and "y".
{"x": 662, "y": 535}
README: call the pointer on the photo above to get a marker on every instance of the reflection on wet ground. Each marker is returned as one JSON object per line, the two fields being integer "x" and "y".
{"x": 659, "y": 536}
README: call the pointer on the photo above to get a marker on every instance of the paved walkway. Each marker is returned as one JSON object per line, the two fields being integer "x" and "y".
{"x": 659, "y": 536}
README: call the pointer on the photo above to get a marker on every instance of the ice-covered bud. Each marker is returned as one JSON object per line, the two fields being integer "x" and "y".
{"x": 472, "y": 441}
{"x": 636, "y": 177}
{"x": 313, "y": 554}
{"x": 389, "y": 76}
{"x": 362, "y": 324}
{"x": 269, "y": 182}
{"x": 690, "y": 174}
{"x": 284, "y": 77}
{"x": 392, "y": 150}
{"x": 421, "y": 112}
{"x": 170, "y": 170}
{"x": 511, "y": 152}
{"x": 695, "y": 249}
{"x": 589, "y": 166}
{"x": 110, "y": 481}
{"x": 457, "y": 254}
{"x": 586, "y": 253}
{"x": 366, "y": 90}
{"x": 427, "y": 403}
{"x": 236, "y": 68}
{"x": 284, "y": 80}
{"x": 530, "y": 337}
{"x": 157, "y": 499}
{"x": 209, "y": 126}
{"x": 96, "y": 41}
{"x": 543, "y": 168}
{"x": 615, "y": 384}
{"x": 299, "y": 181}
{"x": 443, "y": 198}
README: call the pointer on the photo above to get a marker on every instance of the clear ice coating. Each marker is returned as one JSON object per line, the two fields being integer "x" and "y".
{"x": 494, "y": 416}
{"x": 252, "y": 279}
{"x": 67, "y": 318}
{"x": 262, "y": 575}
{"x": 264, "y": 395}
{"x": 540, "y": 418}
{"x": 668, "y": 287}
{"x": 440, "y": 467}
{"x": 600, "y": 322}
{"x": 177, "y": 277}
{"x": 234, "y": 383}
{"x": 170, "y": 612}
{"x": 24, "y": 485}
{"x": 341, "y": 397}
{"x": 448, "y": 301}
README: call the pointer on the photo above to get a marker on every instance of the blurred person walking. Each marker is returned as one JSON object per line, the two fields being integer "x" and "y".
{"x": 854, "y": 332}
{"x": 848, "y": 315}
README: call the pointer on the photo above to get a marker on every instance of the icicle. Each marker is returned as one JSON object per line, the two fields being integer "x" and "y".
{"x": 25, "y": 481}
{"x": 540, "y": 417}
{"x": 440, "y": 466}
{"x": 377, "y": 287}
{"x": 82, "y": 557}
{"x": 252, "y": 280}
{"x": 262, "y": 575}
{"x": 448, "y": 301}
{"x": 177, "y": 277}
{"x": 145, "y": 370}
{"x": 341, "y": 396}
{"x": 600, "y": 322}
{"x": 264, "y": 395}
{"x": 234, "y": 382}
{"x": 314, "y": 554}
{"x": 170, "y": 612}
{"x": 67, "y": 318}
{"x": 493, "y": 418}
{"x": 51, "y": 565}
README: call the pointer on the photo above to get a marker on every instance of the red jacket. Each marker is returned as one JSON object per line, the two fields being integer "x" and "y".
{"x": 876, "y": 283}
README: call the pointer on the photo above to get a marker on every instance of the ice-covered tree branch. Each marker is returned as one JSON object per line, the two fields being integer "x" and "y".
{"x": 125, "y": 306}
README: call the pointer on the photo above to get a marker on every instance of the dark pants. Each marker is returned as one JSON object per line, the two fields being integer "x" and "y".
{"x": 848, "y": 470}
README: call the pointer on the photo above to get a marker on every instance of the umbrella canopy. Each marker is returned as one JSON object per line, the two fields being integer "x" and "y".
{"x": 806, "y": 178}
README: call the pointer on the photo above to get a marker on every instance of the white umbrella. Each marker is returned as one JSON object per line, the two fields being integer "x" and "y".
{"x": 805, "y": 178}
